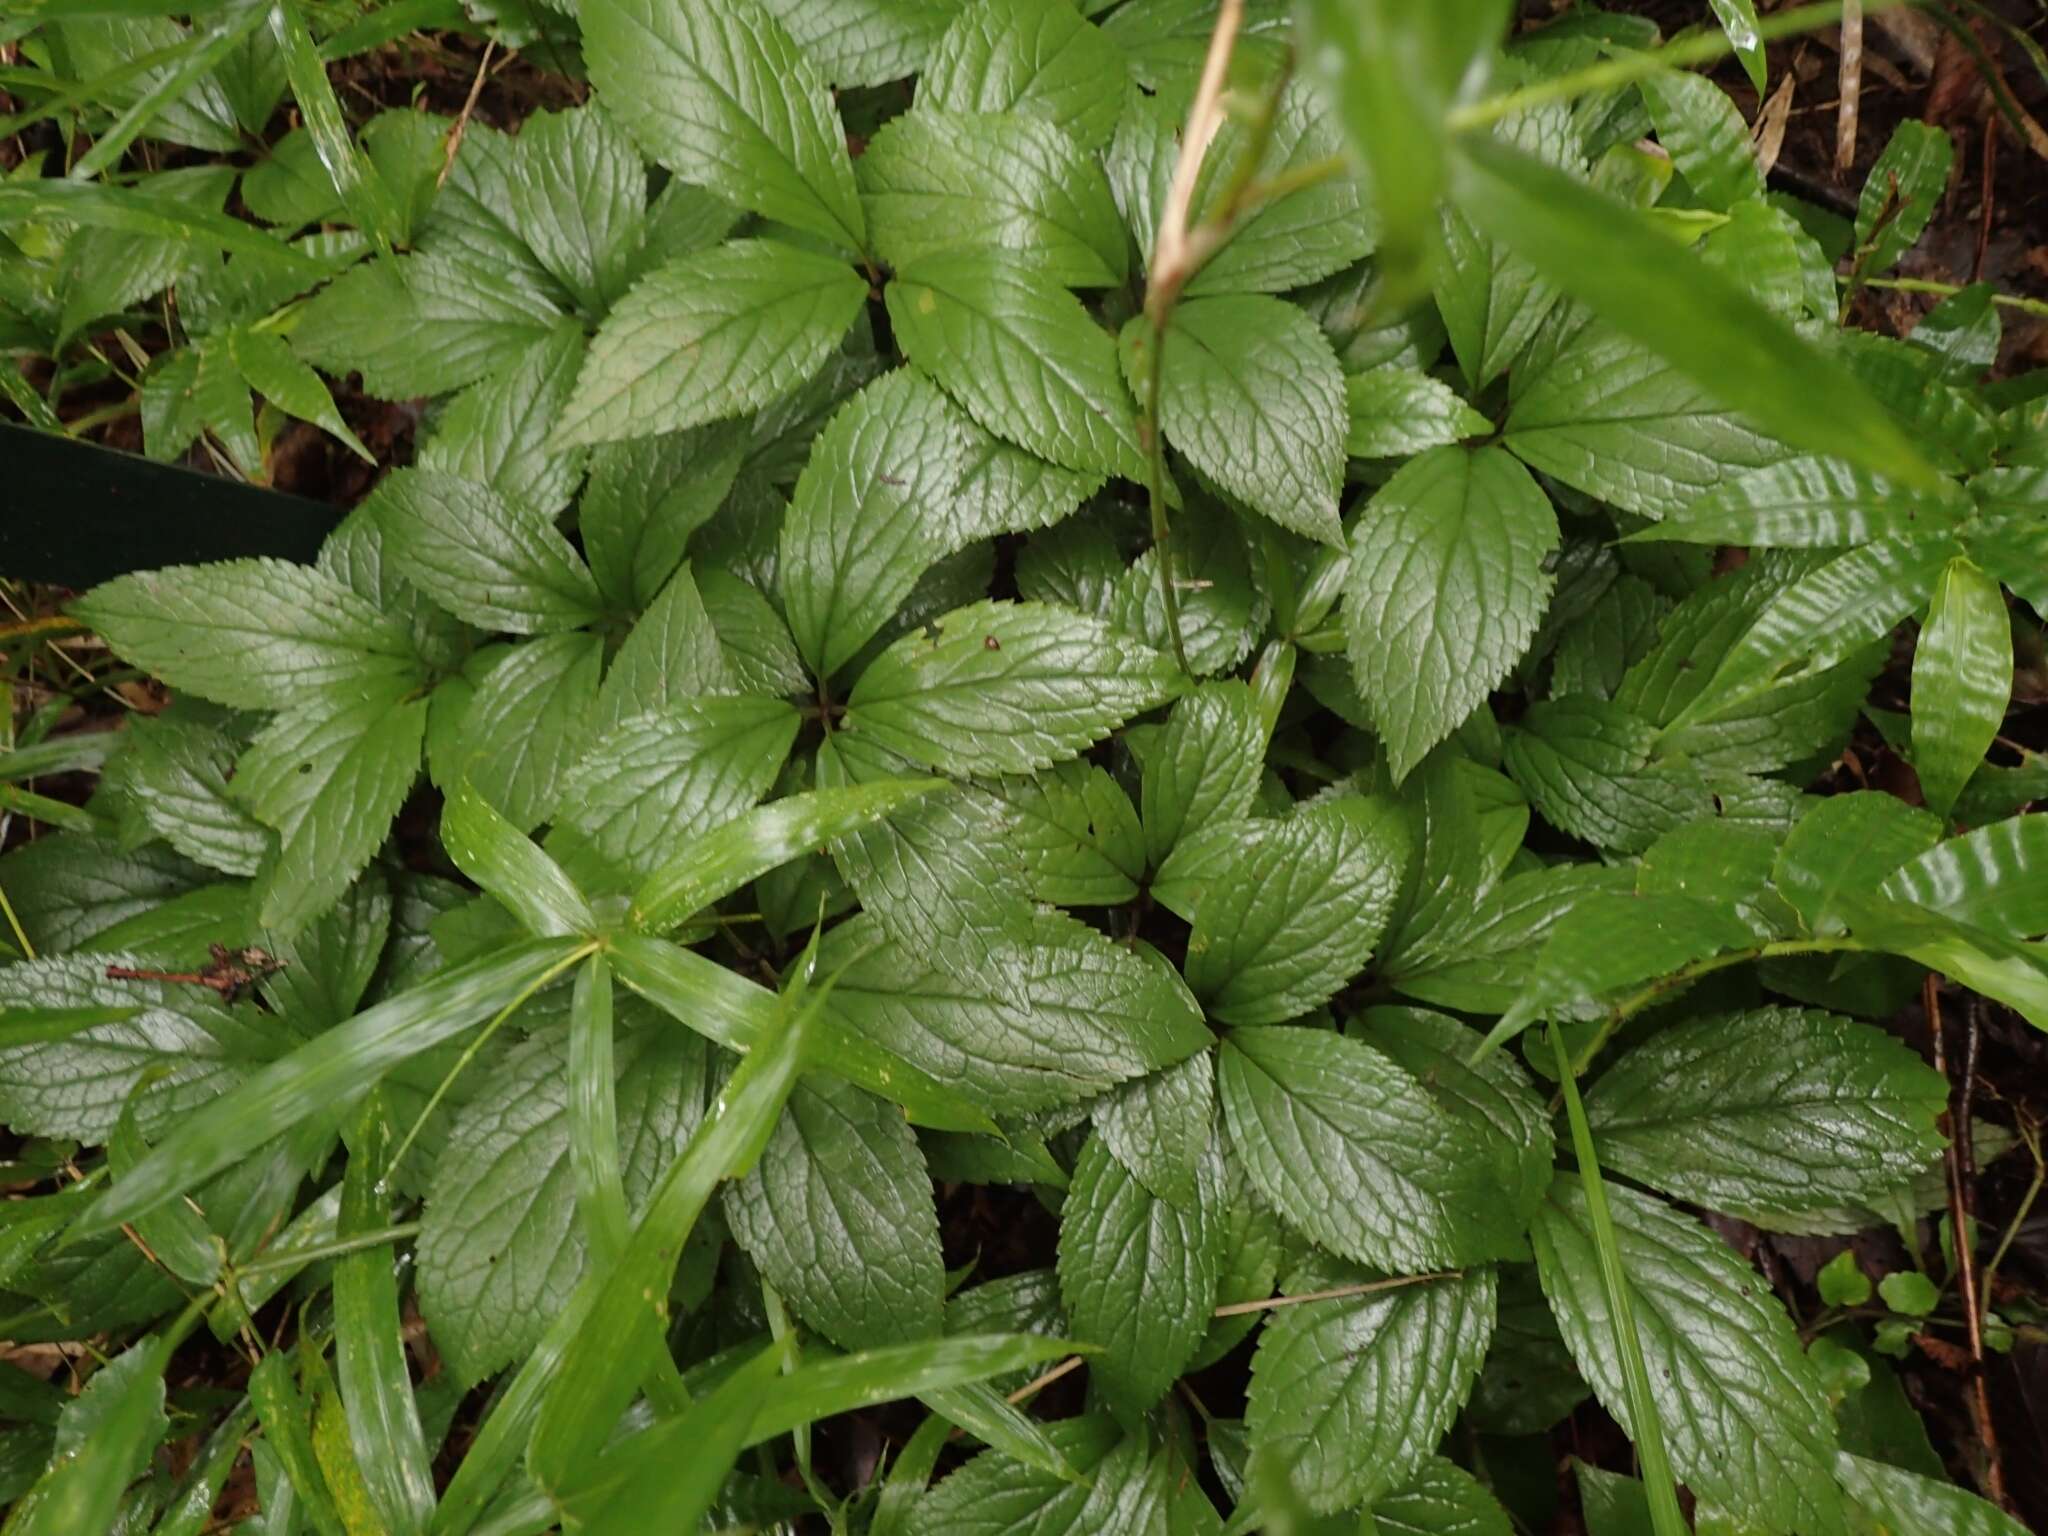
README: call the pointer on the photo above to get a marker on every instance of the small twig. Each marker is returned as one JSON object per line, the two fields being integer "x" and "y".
{"x": 1851, "y": 91}
{"x": 1339, "y": 1293}
{"x": 2031, "y": 1135}
{"x": 1037, "y": 1384}
{"x": 1989, "y": 201}
{"x": 28, "y": 950}
{"x": 1966, "y": 1278}
{"x": 476, "y": 89}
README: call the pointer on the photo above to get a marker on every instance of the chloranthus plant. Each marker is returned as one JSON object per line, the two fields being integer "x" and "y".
{"x": 1121, "y": 615}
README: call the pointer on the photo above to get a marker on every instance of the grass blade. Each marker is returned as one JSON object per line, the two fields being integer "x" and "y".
{"x": 369, "y": 1348}
{"x": 355, "y": 179}
{"x": 603, "y": 1372}
{"x": 205, "y": 52}
{"x": 138, "y": 213}
{"x": 594, "y": 1115}
{"x": 1665, "y": 1518}
{"x": 669, "y": 1484}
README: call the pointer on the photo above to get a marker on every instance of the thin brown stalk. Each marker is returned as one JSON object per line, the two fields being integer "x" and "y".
{"x": 1338, "y": 1293}
{"x": 1966, "y": 1264}
{"x": 1038, "y": 1383}
{"x": 476, "y": 89}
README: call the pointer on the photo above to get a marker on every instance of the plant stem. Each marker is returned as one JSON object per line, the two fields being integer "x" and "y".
{"x": 28, "y": 950}
{"x": 309, "y": 1253}
{"x": 2036, "y": 307}
{"x": 1626, "y": 69}
{"x": 1155, "y": 491}
{"x": 1648, "y": 1428}
{"x": 1339, "y": 1293}
{"x": 1636, "y": 1002}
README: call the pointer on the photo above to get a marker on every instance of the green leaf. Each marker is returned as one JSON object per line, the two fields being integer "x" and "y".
{"x": 1609, "y": 942}
{"x": 711, "y": 335}
{"x": 1138, "y": 1274}
{"x": 269, "y": 367}
{"x": 1705, "y": 136}
{"x": 671, "y": 656}
{"x": 579, "y": 201}
{"x": 492, "y": 852}
{"x": 724, "y": 1006}
{"x": 1479, "y": 960}
{"x": 1353, "y": 1393}
{"x": 496, "y": 432}
{"x": 941, "y": 874}
{"x": 1725, "y": 1367}
{"x": 1821, "y": 619}
{"x": 994, "y": 1494}
{"x": 1588, "y": 768}
{"x": 718, "y": 862}
{"x": 1397, "y": 411}
{"x": 1077, "y": 833}
{"x": 1037, "y": 58}
{"x": 936, "y": 181}
{"x": 1891, "y": 1498}
{"x": 531, "y": 717}
{"x": 1395, "y": 71}
{"x": 1443, "y": 1499}
{"x": 1775, "y": 1115}
{"x": 1595, "y": 408}
{"x": 1285, "y": 912}
{"x": 1446, "y": 587}
{"x": 1252, "y": 396}
{"x": 874, "y": 506}
{"x": 838, "y": 1216}
{"x": 252, "y": 634}
{"x": 1845, "y": 847}
{"x": 1614, "y": 262}
{"x": 1900, "y": 193}
{"x": 1738, "y": 20}
{"x": 316, "y": 1076}
{"x": 1159, "y": 1127}
{"x": 1493, "y": 1096}
{"x": 1811, "y": 503}
{"x": 1021, "y": 356}
{"x": 170, "y": 1053}
{"x": 83, "y": 1486}
{"x": 1962, "y": 681}
{"x": 1060, "y": 1019}
{"x": 662, "y": 779}
{"x": 1301, "y": 236}
{"x": 420, "y": 325}
{"x": 864, "y": 42}
{"x": 645, "y": 497}
{"x": 356, "y": 181}
{"x": 498, "y": 563}
{"x": 1203, "y": 769}
{"x": 1990, "y": 878}
{"x": 1006, "y": 688}
{"x": 137, "y": 212}
{"x": 329, "y": 776}
{"x": 721, "y": 95}
{"x": 177, "y": 777}
{"x": 1352, "y": 1152}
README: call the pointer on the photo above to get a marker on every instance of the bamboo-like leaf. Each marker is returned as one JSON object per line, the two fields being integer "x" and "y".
{"x": 723, "y": 860}
{"x": 325, "y": 1072}
{"x": 601, "y": 1372}
{"x": 492, "y": 852}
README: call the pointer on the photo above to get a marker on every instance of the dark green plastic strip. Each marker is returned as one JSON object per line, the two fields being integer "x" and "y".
{"x": 74, "y": 514}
